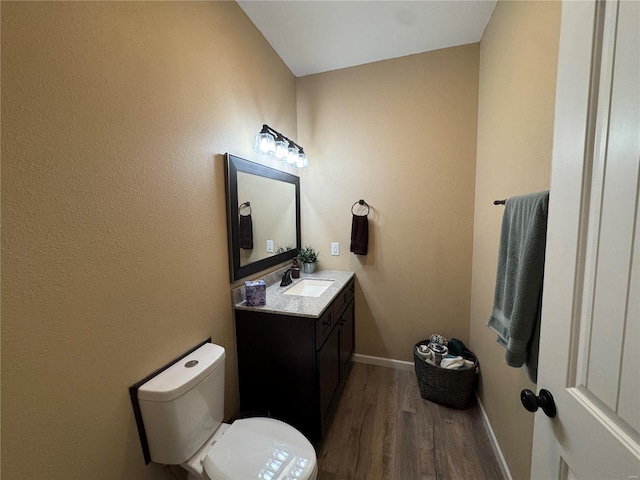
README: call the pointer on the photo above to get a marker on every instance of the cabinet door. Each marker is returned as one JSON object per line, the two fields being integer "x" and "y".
{"x": 329, "y": 371}
{"x": 276, "y": 367}
{"x": 347, "y": 340}
{"x": 323, "y": 326}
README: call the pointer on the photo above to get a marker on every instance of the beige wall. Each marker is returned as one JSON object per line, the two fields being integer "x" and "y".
{"x": 518, "y": 56}
{"x": 400, "y": 134}
{"x": 114, "y": 119}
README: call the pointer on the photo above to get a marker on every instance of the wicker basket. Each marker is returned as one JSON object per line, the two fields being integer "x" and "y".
{"x": 452, "y": 388}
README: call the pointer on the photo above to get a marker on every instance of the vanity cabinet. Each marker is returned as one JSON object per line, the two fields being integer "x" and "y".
{"x": 294, "y": 368}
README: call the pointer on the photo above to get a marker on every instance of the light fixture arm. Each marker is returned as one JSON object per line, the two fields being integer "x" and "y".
{"x": 276, "y": 134}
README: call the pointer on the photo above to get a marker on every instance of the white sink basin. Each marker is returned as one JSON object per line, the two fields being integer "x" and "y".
{"x": 309, "y": 287}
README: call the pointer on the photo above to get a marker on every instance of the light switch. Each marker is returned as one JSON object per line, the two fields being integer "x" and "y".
{"x": 270, "y": 246}
{"x": 335, "y": 248}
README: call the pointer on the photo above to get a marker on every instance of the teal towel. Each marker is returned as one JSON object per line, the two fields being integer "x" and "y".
{"x": 516, "y": 308}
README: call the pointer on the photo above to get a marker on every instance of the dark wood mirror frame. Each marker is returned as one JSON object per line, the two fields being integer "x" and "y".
{"x": 233, "y": 165}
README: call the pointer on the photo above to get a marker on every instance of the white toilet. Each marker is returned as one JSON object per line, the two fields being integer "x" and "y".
{"x": 182, "y": 410}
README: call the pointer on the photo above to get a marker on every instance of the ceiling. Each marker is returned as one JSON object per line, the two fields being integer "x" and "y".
{"x": 319, "y": 36}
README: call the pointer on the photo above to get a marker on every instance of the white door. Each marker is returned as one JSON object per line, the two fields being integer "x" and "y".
{"x": 590, "y": 338}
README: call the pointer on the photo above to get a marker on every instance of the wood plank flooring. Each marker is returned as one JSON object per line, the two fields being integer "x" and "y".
{"x": 384, "y": 430}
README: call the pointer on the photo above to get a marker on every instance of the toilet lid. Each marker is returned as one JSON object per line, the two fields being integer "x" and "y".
{"x": 260, "y": 449}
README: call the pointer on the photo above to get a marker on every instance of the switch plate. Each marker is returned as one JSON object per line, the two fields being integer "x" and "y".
{"x": 335, "y": 248}
{"x": 270, "y": 246}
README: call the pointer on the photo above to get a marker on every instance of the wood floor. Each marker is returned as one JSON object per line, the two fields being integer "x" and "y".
{"x": 384, "y": 430}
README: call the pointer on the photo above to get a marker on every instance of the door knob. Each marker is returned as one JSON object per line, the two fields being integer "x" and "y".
{"x": 544, "y": 401}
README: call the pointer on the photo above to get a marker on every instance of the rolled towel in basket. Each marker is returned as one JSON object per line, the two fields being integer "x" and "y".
{"x": 451, "y": 362}
{"x": 458, "y": 348}
{"x": 423, "y": 351}
{"x": 438, "y": 339}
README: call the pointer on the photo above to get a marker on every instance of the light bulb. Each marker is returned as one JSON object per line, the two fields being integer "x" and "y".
{"x": 281, "y": 148}
{"x": 265, "y": 142}
{"x": 292, "y": 155}
{"x": 303, "y": 161}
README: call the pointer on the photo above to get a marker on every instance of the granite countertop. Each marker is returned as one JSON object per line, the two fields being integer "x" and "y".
{"x": 297, "y": 305}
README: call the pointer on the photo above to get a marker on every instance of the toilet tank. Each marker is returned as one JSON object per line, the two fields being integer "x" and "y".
{"x": 183, "y": 405}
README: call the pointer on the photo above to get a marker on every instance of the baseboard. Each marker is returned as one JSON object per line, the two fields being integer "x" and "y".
{"x": 494, "y": 443}
{"x": 383, "y": 362}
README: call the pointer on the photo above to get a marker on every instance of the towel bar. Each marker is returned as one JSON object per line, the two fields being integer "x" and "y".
{"x": 361, "y": 202}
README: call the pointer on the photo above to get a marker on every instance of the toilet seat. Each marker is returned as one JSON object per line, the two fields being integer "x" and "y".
{"x": 261, "y": 449}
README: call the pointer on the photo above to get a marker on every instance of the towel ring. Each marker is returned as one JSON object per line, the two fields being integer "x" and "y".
{"x": 361, "y": 202}
{"x": 245, "y": 204}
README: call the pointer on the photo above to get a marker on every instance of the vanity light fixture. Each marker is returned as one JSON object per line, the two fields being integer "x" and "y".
{"x": 273, "y": 143}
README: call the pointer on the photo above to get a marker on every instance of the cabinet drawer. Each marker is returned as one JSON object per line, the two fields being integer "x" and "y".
{"x": 343, "y": 298}
{"x": 323, "y": 326}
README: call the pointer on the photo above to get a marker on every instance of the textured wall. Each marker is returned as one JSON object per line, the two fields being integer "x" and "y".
{"x": 400, "y": 134}
{"x": 518, "y": 57}
{"x": 114, "y": 247}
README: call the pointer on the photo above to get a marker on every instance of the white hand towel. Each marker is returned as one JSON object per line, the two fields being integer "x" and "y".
{"x": 452, "y": 362}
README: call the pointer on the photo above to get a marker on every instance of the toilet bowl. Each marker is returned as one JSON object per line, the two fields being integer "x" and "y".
{"x": 182, "y": 409}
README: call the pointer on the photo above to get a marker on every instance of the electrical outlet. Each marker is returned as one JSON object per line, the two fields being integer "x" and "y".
{"x": 269, "y": 246}
{"x": 335, "y": 248}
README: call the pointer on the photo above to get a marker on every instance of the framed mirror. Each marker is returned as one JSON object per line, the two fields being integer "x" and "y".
{"x": 263, "y": 216}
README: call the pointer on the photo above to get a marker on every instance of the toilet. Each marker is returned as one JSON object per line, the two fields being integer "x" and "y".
{"x": 182, "y": 409}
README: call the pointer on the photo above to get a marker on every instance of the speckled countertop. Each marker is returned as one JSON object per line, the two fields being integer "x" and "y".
{"x": 296, "y": 305}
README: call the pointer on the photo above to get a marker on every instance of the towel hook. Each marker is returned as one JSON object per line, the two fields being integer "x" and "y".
{"x": 499, "y": 202}
{"x": 361, "y": 202}
{"x": 245, "y": 204}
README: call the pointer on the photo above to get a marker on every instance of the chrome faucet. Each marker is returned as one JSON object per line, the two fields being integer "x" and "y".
{"x": 286, "y": 278}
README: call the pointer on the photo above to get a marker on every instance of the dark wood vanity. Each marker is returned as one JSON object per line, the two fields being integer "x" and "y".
{"x": 294, "y": 367}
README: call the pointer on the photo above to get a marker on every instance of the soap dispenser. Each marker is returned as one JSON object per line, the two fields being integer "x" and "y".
{"x": 295, "y": 268}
